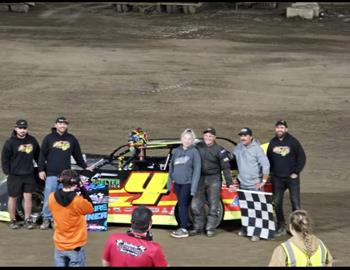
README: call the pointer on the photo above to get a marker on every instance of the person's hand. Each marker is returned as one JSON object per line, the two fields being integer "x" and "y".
{"x": 42, "y": 175}
{"x": 232, "y": 188}
{"x": 293, "y": 176}
{"x": 259, "y": 186}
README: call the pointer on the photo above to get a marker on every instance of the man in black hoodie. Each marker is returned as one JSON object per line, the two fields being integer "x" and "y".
{"x": 287, "y": 160}
{"x": 56, "y": 151}
{"x": 17, "y": 157}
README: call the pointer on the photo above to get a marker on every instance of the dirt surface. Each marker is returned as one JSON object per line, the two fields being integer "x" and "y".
{"x": 110, "y": 72}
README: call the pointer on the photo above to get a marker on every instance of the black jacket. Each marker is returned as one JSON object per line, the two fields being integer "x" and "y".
{"x": 286, "y": 156}
{"x": 56, "y": 151}
{"x": 18, "y": 154}
{"x": 215, "y": 159}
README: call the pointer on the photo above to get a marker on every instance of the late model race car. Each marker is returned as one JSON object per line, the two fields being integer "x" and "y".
{"x": 136, "y": 174}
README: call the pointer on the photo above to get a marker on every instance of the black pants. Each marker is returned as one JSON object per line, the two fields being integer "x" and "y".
{"x": 209, "y": 191}
{"x": 280, "y": 184}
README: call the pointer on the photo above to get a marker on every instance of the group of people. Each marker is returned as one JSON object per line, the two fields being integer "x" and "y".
{"x": 196, "y": 170}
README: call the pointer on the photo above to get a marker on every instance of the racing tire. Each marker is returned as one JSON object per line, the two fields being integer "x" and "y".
{"x": 206, "y": 209}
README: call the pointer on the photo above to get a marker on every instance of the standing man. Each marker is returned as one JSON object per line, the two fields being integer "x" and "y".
{"x": 55, "y": 156}
{"x": 253, "y": 165}
{"x": 287, "y": 160}
{"x": 135, "y": 248}
{"x": 69, "y": 210}
{"x": 214, "y": 159}
{"x": 17, "y": 157}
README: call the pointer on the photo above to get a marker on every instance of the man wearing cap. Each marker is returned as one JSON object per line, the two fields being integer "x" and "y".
{"x": 56, "y": 150}
{"x": 287, "y": 160}
{"x": 253, "y": 165}
{"x": 214, "y": 159}
{"x": 17, "y": 157}
{"x": 135, "y": 248}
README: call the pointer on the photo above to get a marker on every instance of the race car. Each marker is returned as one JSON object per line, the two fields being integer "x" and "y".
{"x": 136, "y": 174}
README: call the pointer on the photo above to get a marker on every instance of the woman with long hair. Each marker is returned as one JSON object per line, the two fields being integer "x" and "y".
{"x": 185, "y": 169}
{"x": 303, "y": 248}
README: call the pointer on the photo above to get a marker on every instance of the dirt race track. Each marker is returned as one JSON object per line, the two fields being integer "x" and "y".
{"x": 110, "y": 72}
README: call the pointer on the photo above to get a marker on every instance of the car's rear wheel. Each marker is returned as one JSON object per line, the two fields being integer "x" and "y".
{"x": 206, "y": 209}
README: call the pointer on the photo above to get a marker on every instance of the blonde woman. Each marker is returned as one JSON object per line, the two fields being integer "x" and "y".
{"x": 304, "y": 248}
{"x": 184, "y": 170}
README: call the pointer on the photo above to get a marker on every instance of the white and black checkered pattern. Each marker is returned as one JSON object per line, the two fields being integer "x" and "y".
{"x": 256, "y": 213}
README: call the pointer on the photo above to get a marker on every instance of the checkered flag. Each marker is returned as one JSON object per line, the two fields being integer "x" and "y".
{"x": 256, "y": 213}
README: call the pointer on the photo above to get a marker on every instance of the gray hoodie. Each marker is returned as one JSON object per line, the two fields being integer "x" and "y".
{"x": 185, "y": 167}
{"x": 252, "y": 164}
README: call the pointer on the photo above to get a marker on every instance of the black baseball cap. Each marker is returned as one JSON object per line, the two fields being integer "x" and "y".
{"x": 210, "y": 130}
{"x": 21, "y": 123}
{"x": 245, "y": 131}
{"x": 281, "y": 122}
{"x": 141, "y": 218}
{"x": 62, "y": 119}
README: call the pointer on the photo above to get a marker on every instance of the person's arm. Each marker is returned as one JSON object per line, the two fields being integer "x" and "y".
{"x": 78, "y": 156}
{"x": 171, "y": 169}
{"x": 36, "y": 151}
{"x": 329, "y": 259}
{"x": 5, "y": 158}
{"x": 105, "y": 263}
{"x": 278, "y": 257}
{"x": 300, "y": 157}
{"x": 197, "y": 163}
{"x": 83, "y": 206}
{"x": 264, "y": 163}
{"x": 225, "y": 166}
{"x": 43, "y": 154}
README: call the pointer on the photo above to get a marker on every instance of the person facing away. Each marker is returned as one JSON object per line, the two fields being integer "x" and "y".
{"x": 17, "y": 157}
{"x": 55, "y": 156}
{"x": 303, "y": 248}
{"x": 135, "y": 248}
{"x": 253, "y": 165}
{"x": 68, "y": 210}
{"x": 184, "y": 170}
{"x": 287, "y": 160}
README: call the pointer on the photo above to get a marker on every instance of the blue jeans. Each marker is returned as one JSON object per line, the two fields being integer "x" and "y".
{"x": 51, "y": 185}
{"x": 183, "y": 194}
{"x": 70, "y": 258}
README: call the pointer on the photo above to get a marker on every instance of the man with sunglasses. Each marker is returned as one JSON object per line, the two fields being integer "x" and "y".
{"x": 17, "y": 157}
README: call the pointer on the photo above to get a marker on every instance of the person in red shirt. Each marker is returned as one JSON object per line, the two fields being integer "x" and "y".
{"x": 135, "y": 247}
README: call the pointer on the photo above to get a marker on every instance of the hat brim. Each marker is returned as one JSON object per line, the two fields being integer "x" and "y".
{"x": 22, "y": 126}
{"x": 63, "y": 121}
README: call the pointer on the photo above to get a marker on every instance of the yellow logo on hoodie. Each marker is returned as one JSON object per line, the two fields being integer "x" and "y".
{"x": 281, "y": 150}
{"x": 25, "y": 148}
{"x": 63, "y": 145}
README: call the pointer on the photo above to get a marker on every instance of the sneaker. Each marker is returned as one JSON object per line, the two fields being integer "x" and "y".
{"x": 280, "y": 232}
{"x": 45, "y": 225}
{"x": 240, "y": 233}
{"x": 195, "y": 232}
{"x": 210, "y": 233}
{"x": 28, "y": 224}
{"x": 180, "y": 233}
{"x": 254, "y": 238}
{"x": 13, "y": 224}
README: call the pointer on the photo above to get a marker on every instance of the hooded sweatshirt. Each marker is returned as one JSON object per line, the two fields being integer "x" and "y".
{"x": 18, "y": 155}
{"x": 185, "y": 167}
{"x": 279, "y": 257}
{"x": 252, "y": 164}
{"x": 56, "y": 151}
{"x": 68, "y": 210}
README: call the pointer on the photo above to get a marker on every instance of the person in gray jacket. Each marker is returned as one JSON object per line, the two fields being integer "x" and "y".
{"x": 184, "y": 170}
{"x": 253, "y": 165}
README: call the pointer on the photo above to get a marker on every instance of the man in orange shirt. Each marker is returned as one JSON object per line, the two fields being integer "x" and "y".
{"x": 68, "y": 210}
